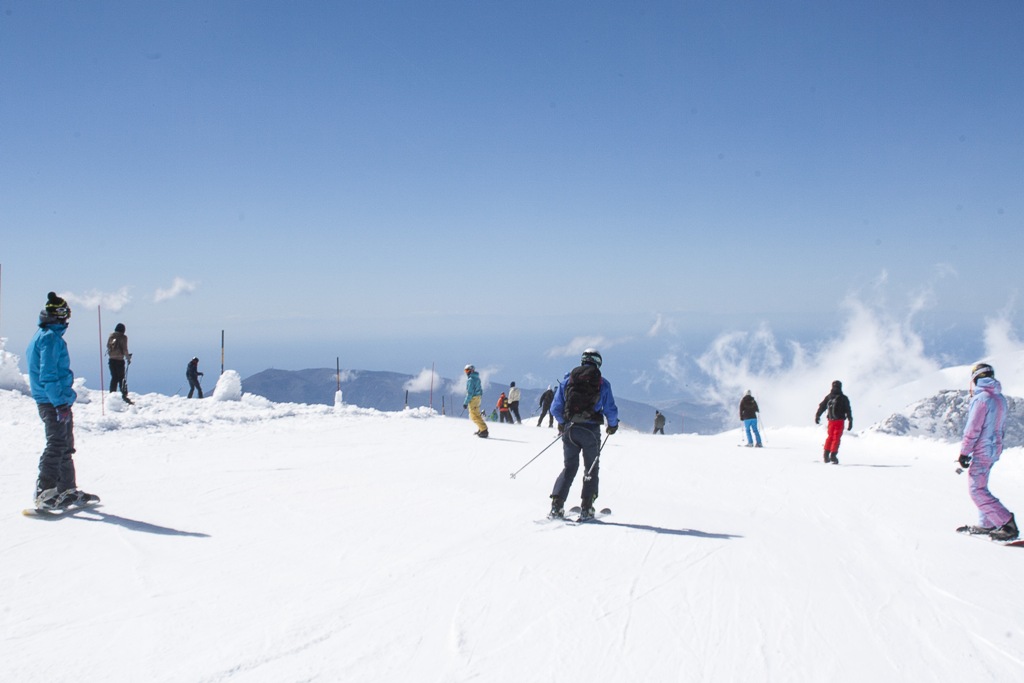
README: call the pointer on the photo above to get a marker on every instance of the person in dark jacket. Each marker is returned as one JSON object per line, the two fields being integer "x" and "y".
{"x": 51, "y": 379}
{"x": 837, "y": 405}
{"x": 545, "y": 407}
{"x": 192, "y": 374}
{"x": 748, "y": 414}
{"x": 581, "y": 434}
{"x": 119, "y": 360}
{"x": 659, "y": 422}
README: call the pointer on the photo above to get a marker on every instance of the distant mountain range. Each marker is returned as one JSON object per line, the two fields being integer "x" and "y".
{"x": 388, "y": 391}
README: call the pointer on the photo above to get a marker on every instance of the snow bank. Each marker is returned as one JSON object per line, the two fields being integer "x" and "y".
{"x": 229, "y": 387}
{"x": 10, "y": 376}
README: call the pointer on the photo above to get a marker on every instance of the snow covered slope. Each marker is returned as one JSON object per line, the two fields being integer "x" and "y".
{"x": 242, "y": 540}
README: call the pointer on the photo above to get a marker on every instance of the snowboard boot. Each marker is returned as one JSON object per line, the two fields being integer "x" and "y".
{"x": 975, "y": 530}
{"x": 483, "y": 435}
{"x": 827, "y": 457}
{"x": 1007, "y": 532}
{"x": 557, "y": 508}
{"x": 833, "y": 459}
{"x": 72, "y": 497}
{"x": 46, "y": 499}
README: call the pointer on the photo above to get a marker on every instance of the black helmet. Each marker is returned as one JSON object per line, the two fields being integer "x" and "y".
{"x": 119, "y": 328}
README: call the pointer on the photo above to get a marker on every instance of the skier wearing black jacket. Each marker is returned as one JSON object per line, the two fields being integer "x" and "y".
{"x": 837, "y": 405}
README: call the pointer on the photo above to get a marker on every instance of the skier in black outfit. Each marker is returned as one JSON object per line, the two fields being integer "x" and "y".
{"x": 192, "y": 374}
{"x": 545, "y": 407}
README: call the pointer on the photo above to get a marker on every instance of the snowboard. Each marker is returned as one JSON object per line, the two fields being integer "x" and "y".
{"x": 58, "y": 513}
{"x": 1016, "y": 543}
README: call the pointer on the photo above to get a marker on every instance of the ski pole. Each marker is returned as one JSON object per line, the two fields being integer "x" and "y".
{"x": 588, "y": 476}
{"x": 513, "y": 475}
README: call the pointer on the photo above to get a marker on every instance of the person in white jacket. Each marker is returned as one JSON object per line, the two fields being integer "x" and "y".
{"x": 513, "y": 402}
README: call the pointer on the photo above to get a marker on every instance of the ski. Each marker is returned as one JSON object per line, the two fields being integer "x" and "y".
{"x": 58, "y": 513}
{"x": 598, "y": 514}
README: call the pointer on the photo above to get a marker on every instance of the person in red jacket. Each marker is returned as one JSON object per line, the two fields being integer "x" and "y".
{"x": 503, "y": 409}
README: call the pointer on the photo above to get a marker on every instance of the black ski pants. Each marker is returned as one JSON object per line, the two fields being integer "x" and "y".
{"x": 56, "y": 468}
{"x": 116, "y": 375}
{"x": 579, "y": 439}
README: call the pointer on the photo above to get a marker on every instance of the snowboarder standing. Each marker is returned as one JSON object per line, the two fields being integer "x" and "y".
{"x": 513, "y": 401}
{"x": 748, "y": 414}
{"x": 582, "y": 403}
{"x": 659, "y": 422}
{"x": 545, "y": 407}
{"x": 980, "y": 450}
{"x": 119, "y": 360}
{"x": 192, "y": 374}
{"x": 838, "y": 407}
{"x": 51, "y": 379}
{"x": 474, "y": 395}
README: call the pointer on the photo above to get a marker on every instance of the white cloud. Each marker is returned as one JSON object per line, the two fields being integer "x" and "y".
{"x": 425, "y": 381}
{"x": 107, "y": 301}
{"x": 178, "y": 287}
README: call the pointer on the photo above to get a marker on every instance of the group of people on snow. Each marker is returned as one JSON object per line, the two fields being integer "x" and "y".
{"x": 584, "y": 400}
{"x": 581, "y": 404}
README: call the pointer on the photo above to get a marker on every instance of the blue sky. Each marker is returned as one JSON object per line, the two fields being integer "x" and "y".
{"x": 401, "y": 183}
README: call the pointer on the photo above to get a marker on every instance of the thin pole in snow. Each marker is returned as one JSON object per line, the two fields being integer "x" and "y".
{"x": 222, "y": 352}
{"x": 99, "y": 320}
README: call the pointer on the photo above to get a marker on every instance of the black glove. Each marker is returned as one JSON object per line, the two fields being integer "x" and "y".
{"x": 849, "y": 426}
{"x": 561, "y": 427}
{"x": 817, "y": 420}
{"x": 612, "y": 429}
{"x": 64, "y": 413}
{"x": 965, "y": 460}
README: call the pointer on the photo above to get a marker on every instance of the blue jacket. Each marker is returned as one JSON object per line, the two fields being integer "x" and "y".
{"x": 49, "y": 366}
{"x": 473, "y": 386}
{"x": 605, "y": 403}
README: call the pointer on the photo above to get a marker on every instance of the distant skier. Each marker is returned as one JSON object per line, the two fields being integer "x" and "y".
{"x": 474, "y": 395}
{"x": 192, "y": 374}
{"x": 503, "y": 409}
{"x": 748, "y": 414}
{"x": 582, "y": 403}
{"x": 980, "y": 450}
{"x": 119, "y": 359}
{"x": 51, "y": 378}
{"x": 513, "y": 402}
{"x": 838, "y": 407}
{"x": 545, "y": 407}
{"x": 659, "y": 422}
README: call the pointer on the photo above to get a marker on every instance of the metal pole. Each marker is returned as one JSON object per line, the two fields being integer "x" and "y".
{"x": 513, "y": 475}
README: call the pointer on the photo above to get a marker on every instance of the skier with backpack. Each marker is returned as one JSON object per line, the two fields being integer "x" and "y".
{"x": 119, "y": 360}
{"x": 837, "y": 405}
{"x": 582, "y": 403}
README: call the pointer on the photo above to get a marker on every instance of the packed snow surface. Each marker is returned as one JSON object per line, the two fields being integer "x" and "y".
{"x": 242, "y": 540}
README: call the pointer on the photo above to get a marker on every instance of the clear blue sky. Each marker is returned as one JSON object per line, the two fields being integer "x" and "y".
{"x": 398, "y": 183}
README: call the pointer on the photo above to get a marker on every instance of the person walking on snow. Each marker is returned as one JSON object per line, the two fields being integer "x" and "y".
{"x": 117, "y": 351}
{"x": 659, "y": 422}
{"x": 513, "y": 402}
{"x": 582, "y": 403}
{"x": 474, "y": 395}
{"x": 748, "y": 414}
{"x": 51, "y": 379}
{"x": 838, "y": 407}
{"x": 980, "y": 450}
{"x": 192, "y": 374}
{"x": 545, "y": 407}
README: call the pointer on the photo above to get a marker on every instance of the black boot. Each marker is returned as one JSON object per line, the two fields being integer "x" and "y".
{"x": 557, "y": 509}
{"x": 827, "y": 456}
{"x": 1006, "y": 532}
{"x": 832, "y": 457}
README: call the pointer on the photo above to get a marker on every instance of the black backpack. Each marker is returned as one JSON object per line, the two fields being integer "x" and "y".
{"x": 582, "y": 390}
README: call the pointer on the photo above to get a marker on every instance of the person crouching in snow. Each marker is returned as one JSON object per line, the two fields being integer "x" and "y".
{"x": 838, "y": 407}
{"x": 980, "y": 450}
